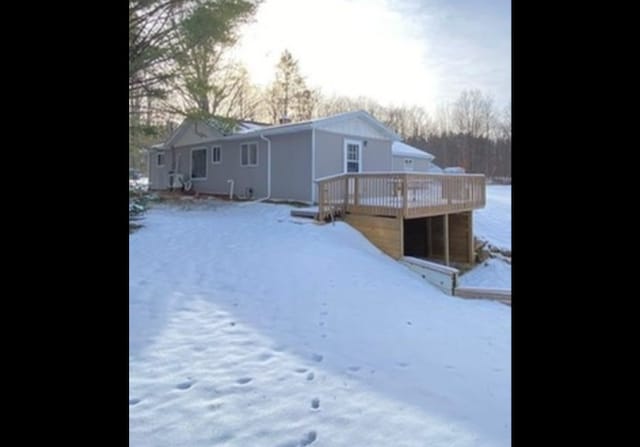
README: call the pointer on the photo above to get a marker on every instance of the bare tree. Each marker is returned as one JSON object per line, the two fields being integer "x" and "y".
{"x": 287, "y": 97}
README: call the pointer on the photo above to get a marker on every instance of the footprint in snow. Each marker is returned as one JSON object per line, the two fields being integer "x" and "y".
{"x": 134, "y": 401}
{"x": 402, "y": 364}
{"x": 300, "y": 370}
{"x": 244, "y": 380}
{"x": 315, "y": 403}
{"x": 309, "y": 438}
{"x": 324, "y": 313}
{"x": 354, "y": 368}
{"x": 185, "y": 385}
{"x": 310, "y": 376}
{"x": 316, "y": 357}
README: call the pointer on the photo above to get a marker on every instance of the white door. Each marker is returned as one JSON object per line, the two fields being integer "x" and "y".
{"x": 352, "y": 163}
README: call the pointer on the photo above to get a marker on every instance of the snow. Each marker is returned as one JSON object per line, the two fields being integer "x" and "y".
{"x": 400, "y": 149}
{"x": 492, "y": 224}
{"x": 249, "y": 327}
{"x": 492, "y": 273}
{"x": 244, "y": 127}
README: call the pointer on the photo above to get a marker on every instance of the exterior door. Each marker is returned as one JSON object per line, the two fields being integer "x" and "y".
{"x": 352, "y": 164}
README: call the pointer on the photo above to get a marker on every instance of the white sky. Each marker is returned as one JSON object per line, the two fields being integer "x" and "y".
{"x": 411, "y": 52}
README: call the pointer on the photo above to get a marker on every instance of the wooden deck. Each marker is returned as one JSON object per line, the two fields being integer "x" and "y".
{"x": 407, "y": 195}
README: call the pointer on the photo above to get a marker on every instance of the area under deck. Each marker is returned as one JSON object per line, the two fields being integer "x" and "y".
{"x": 427, "y": 216}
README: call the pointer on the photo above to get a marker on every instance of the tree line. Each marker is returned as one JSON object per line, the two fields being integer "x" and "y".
{"x": 180, "y": 65}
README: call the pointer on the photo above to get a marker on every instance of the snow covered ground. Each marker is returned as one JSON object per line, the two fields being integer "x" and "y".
{"x": 252, "y": 328}
{"x": 492, "y": 224}
{"x": 492, "y": 273}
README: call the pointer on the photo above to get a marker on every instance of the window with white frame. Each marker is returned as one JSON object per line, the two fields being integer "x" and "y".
{"x": 160, "y": 159}
{"x": 198, "y": 164}
{"x": 249, "y": 154}
{"x": 216, "y": 155}
{"x": 408, "y": 164}
{"x": 353, "y": 157}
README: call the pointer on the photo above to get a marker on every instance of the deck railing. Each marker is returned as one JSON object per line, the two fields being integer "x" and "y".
{"x": 400, "y": 194}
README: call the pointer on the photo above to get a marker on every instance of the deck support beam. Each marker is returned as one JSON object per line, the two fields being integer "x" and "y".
{"x": 471, "y": 244}
{"x": 446, "y": 238}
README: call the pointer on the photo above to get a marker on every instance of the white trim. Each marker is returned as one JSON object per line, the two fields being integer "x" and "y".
{"x": 313, "y": 166}
{"x": 206, "y": 171}
{"x": 164, "y": 155}
{"x": 213, "y": 162}
{"x": 344, "y": 155}
{"x": 249, "y": 165}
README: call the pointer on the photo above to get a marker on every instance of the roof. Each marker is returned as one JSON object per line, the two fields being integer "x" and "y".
{"x": 310, "y": 124}
{"x": 401, "y": 149}
{"x": 247, "y": 128}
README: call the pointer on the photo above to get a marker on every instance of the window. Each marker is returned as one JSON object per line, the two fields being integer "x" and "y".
{"x": 216, "y": 155}
{"x": 352, "y": 156}
{"x": 249, "y": 154}
{"x": 408, "y": 164}
{"x": 198, "y": 164}
{"x": 160, "y": 159}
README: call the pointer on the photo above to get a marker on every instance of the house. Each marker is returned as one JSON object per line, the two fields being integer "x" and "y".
{"x": 279, "y": 161}
{"x": 350, "y": 164}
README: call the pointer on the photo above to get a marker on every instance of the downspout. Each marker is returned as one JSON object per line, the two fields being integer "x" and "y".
{"x": 268, "y": 169}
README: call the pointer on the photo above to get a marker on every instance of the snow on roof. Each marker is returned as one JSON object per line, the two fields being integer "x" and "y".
{"x": 248, "y": 126}
{"x": 308, "y": 124}
{"x": 404, "y": 150}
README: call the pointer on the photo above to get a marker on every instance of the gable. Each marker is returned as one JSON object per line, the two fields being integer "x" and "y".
{"x": 355, "y": 126}
{"x": 195, "y": 132}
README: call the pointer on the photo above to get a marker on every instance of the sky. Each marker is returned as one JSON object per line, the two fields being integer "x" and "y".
{"x": 400, "y": 52}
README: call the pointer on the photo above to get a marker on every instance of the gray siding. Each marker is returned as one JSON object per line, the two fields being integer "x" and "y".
{"x": 291, "y": 166}
{"x": 229, "y": 168}
{"x": 419, "y": 164}
{"x": 195, "y": 133}
{"x": 376, "y": 156}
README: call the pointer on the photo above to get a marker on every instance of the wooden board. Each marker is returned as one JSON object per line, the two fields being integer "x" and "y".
{"x": 383, "y": 232}
{"x": 503, "y": 295}
{"x": 441, "y": 276}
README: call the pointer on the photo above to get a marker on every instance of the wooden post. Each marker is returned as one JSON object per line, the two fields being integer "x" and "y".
{"x": 429, "y": 250}
{"x": 405, "y": 195}
{"x": 471, "y": 245}
{"x": 446, "y": 238}
{"x": 346, "y": 194}
{"x": 401, "y": 235}
{"x": 355, "y": 190}
{"x": 321, "y": 201}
